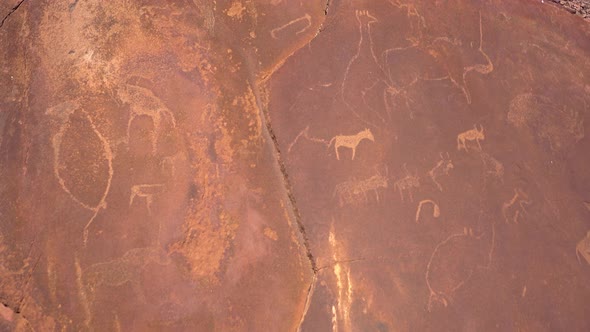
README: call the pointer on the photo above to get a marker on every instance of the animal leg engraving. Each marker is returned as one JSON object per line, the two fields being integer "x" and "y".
{"x": 474, "y": 134}
{"x": 435, "y": 212}
{"x": 351, "y": 141}
{"x": 146, "y": 191}
{"x": 408, "y": 184}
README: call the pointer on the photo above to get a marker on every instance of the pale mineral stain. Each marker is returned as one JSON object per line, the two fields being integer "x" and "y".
{"x": 236, "y": 10}
{"x": 270, "y": 233}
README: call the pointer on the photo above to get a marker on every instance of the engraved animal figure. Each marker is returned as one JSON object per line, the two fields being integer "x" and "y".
{"x": 142, "y": 101}
{"x": 512, "y": 209}
{"x": 452, "y": 268}
{"x": 407, "y": 183}
{"x": 122, "y": 270}
{"x": 350, "y": 141}
{"x": 492, "y": 167}
{"x": 583, "y": 249}
{"x": 442, "y": 168}
{"x": 435, "y": 212}
{"x": 146, "y": 191}
{"x": 470, "y": 135}
{"x": 350, "y": 191}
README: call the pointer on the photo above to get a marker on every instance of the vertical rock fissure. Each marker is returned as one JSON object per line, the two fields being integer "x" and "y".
{"x": 266, "y": 124}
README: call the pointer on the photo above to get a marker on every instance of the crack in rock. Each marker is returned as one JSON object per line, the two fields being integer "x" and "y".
{"x": 12, "y": 10}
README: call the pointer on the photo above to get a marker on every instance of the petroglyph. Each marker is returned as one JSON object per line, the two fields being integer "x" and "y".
{"x": 125, "y": 269}
{"x": 435, "y": 211}
{"x": 143, "y": 102}
{"x": 63, "y": 112}
{"x": 146, "y": 191}
{"x": 351, "y": 142}
{"x": 492, "y": 167}
{"x": 305, "y": 18}
{"x": 443, "y": 293}
{"x": 583, "y": 249}
{"x": 587, "y": 204}
{"x": 169, "y": 163}
{"x": 343, "y": 284}
{"x": 351, "y": 191}
{"x": 474, "y": 134}
{"x": 364, "y": 19}
{"x": 305, "y": 134}
{"x": 483, "y": 69}
{"x": 559, "y": 125}
{"x": 516, "y": 206}
{"x": 444, "y": 165}
{"x": 407, "y": 183}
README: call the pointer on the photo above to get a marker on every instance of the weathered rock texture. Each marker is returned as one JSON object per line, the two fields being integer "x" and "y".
{"x": 281, "y": 165}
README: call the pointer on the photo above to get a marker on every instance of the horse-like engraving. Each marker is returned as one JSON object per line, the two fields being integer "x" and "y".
{"x": 516, "y": 206}
{"x": 435, "y": 211}
{"x": 583, "y": 249}
{"x": 407, "y": 183}
{"x": 474, "y": 134}
{"x": 444, "y": 165}
{"x": 351, "y": 141}
{"x": 351, "y": 191}
{"x": 146, "y": 191}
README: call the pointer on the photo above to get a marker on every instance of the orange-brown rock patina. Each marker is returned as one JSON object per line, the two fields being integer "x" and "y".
{"x": 293, "y": 165}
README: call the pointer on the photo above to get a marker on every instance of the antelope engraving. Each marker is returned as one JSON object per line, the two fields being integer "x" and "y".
{"x": 407, "y": 183}
{"x": 351, "y": 141}
{"x": 518, "y": 201}
{"x": 146, "y": 191}
{"x": 470, "y": 135}
{"x": 442, "y": 168}
{"x": 583, "y": 249}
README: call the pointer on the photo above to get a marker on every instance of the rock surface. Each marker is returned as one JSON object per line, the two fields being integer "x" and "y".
{"x": 579, "y": 7}
{"x": 294, "y": 165}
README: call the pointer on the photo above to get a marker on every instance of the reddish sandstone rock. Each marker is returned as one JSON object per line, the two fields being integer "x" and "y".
{"x": 262, "y": 166}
